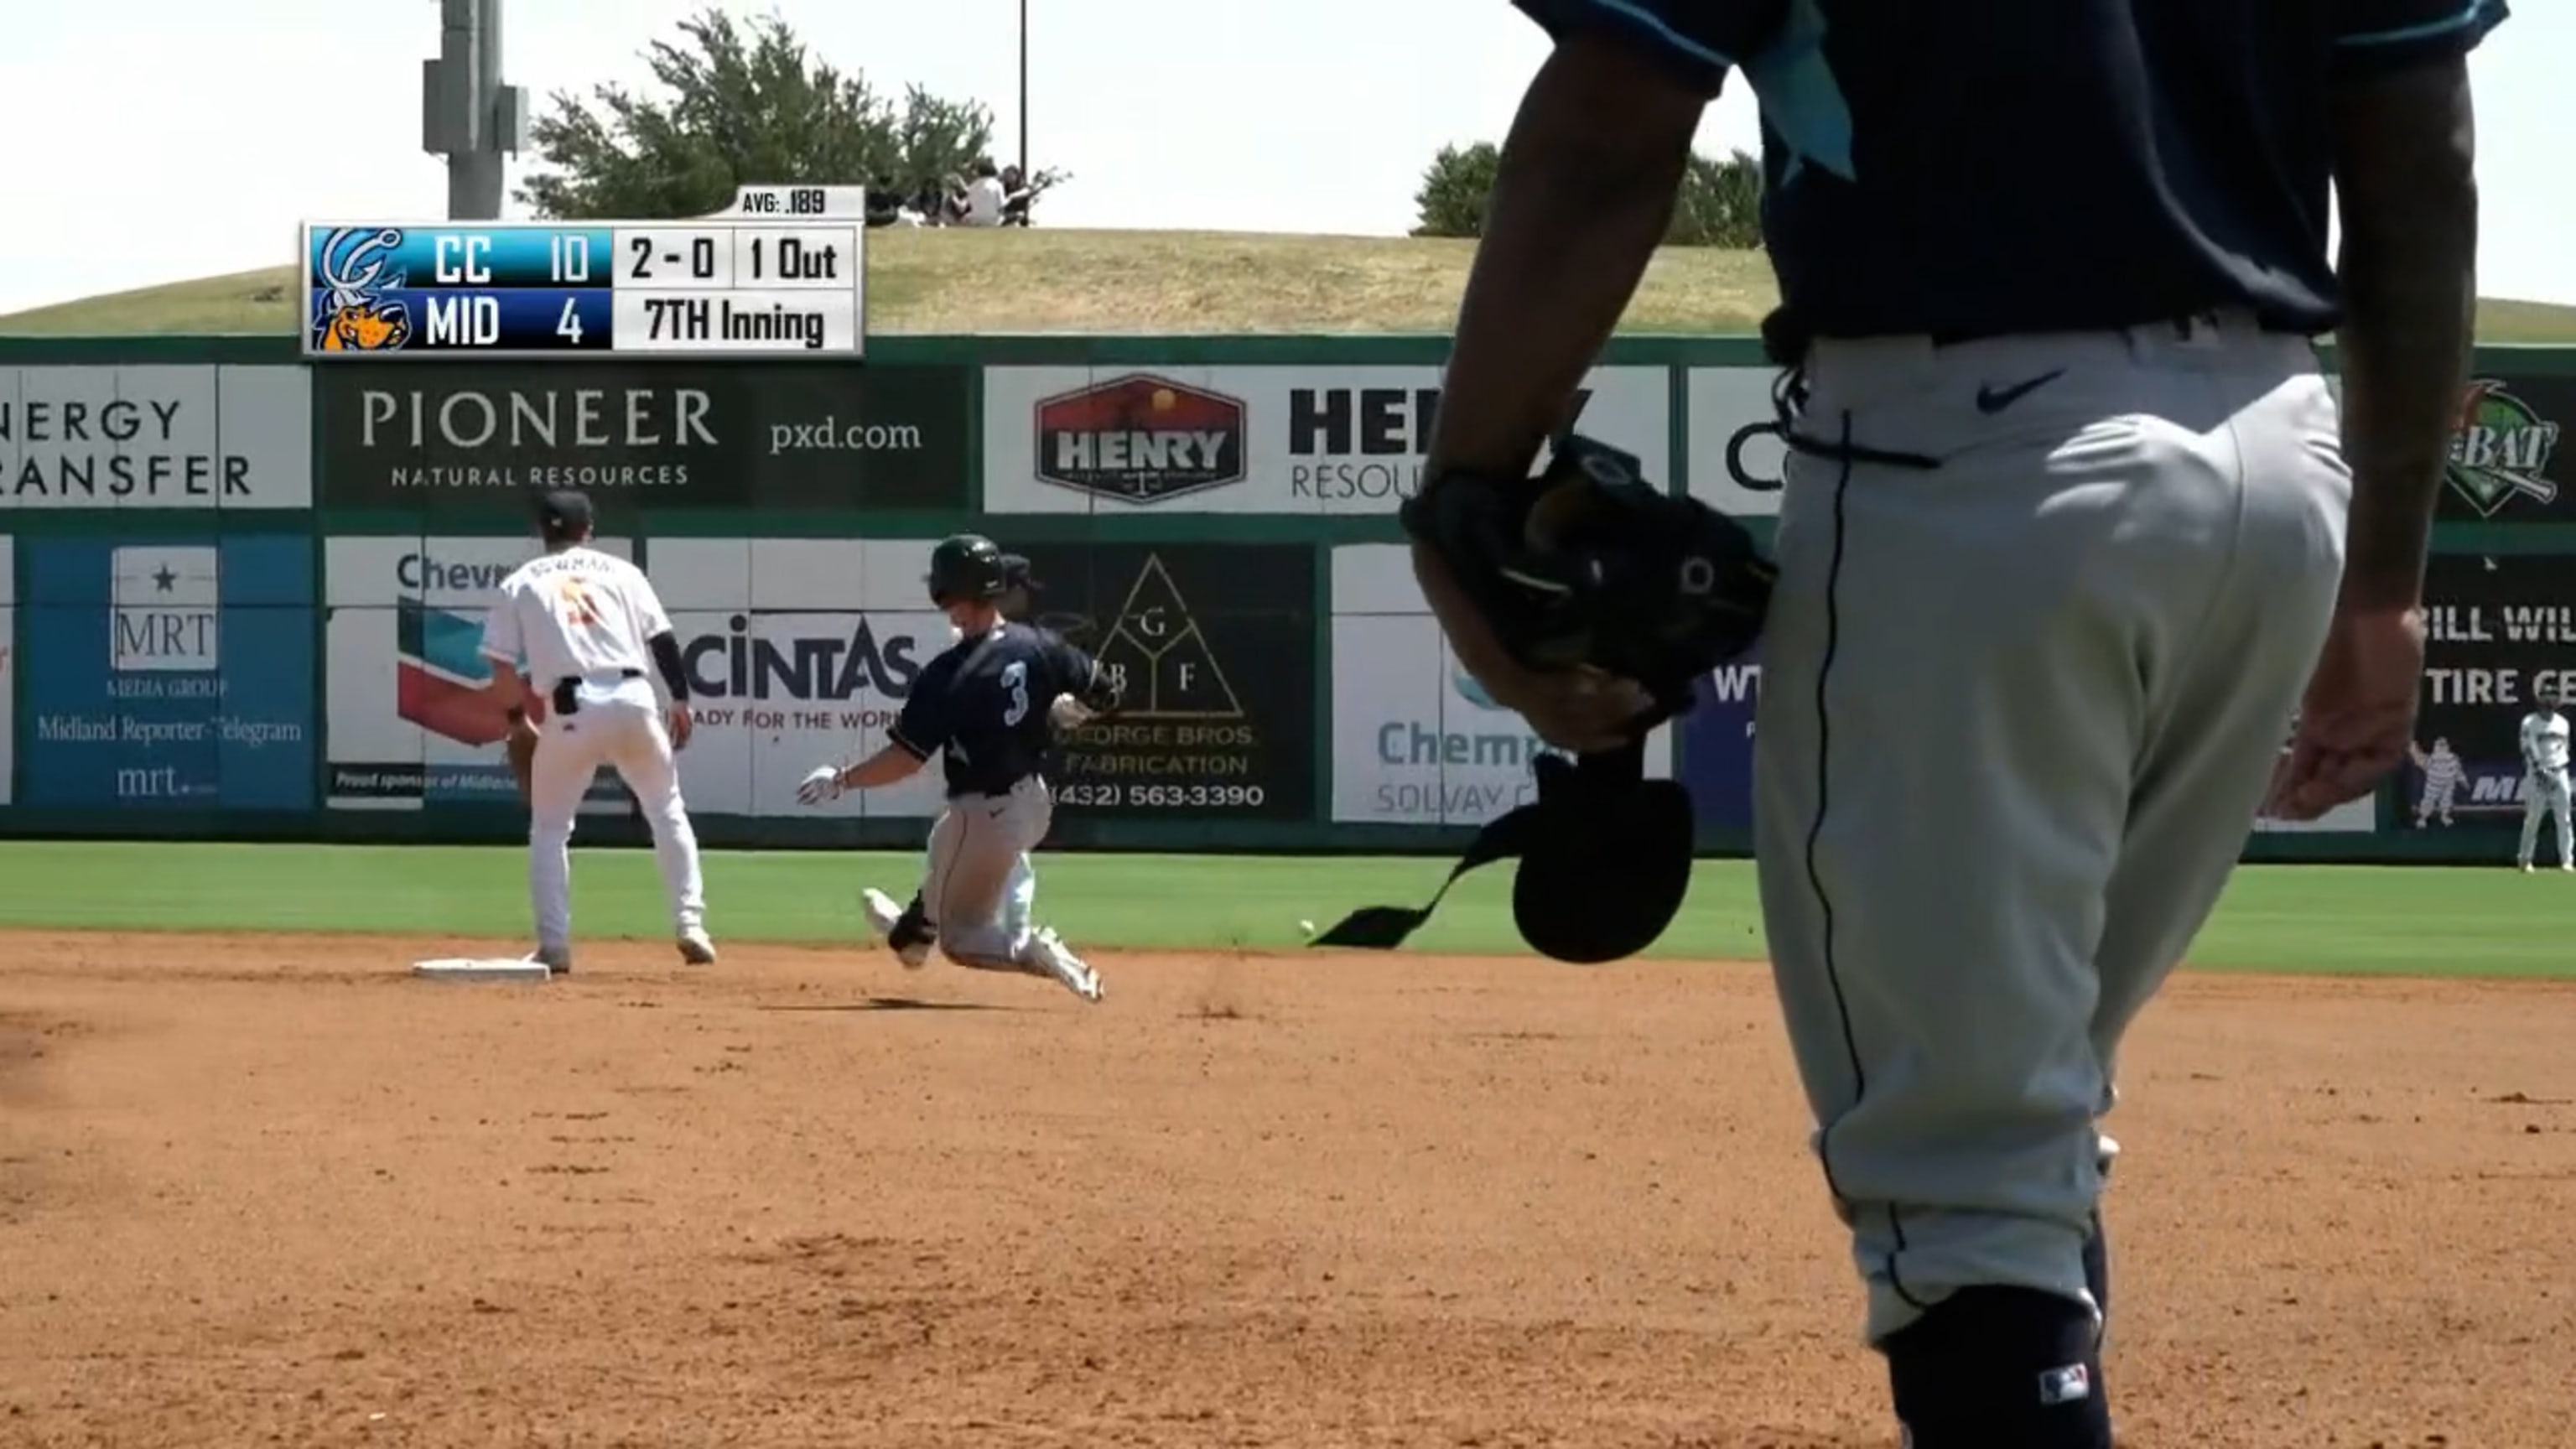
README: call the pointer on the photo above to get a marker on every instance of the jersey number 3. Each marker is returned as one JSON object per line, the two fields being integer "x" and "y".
{"x": 578, "y": 604}
{"x": 1015, "y": 678}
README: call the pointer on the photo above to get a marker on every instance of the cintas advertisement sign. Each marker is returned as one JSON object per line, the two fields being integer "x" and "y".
{"x": 471, "y": 441}
{"x": 800, "y": 652}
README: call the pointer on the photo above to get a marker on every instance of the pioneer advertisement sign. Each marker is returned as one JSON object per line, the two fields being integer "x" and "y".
{"x": 474, "y": 440}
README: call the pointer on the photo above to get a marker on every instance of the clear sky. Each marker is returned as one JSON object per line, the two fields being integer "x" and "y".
{"x": 190, "y": 138}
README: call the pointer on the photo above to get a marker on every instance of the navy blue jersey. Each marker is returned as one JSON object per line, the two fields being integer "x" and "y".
{"x": 982, "y": 706}
{"x": 1988, "y": 167}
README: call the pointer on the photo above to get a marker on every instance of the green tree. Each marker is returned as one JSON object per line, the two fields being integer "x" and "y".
{"x": 1454, "y": 190}
{"x": 743, "y": 105}
{"x": 1719, "y": 205}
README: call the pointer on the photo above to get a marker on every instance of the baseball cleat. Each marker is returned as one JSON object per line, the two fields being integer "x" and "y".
{"x": 556, "y": 959}
{"x": 909, "y": 940}
{"x": 1067, "y": 968}
{"x": 695, "y": 948}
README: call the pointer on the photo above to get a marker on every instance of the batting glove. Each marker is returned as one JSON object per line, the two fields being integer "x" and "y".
{"x": 1069, "y": 713}
{"x": 823, "y": 784}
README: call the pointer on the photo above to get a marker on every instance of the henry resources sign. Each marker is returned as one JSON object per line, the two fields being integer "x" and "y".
{"x": 1280, "y": 440}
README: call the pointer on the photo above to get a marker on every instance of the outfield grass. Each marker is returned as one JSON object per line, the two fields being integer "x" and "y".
{"x": 946, "y": 280}
{"x": 2326, "y": 920}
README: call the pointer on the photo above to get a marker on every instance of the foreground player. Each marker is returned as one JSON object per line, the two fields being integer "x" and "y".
{"x": 2544, "y": 782}
{"x": 590, "y": 624}
{"x": 985, "y": 706}
{"x": 2065, "y": 480}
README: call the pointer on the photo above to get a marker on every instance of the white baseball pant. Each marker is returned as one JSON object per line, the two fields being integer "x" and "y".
{"x": 619, "y": 724}
{"x": 2545, "y": 793}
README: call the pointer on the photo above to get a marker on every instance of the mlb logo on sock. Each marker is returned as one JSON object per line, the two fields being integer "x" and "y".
{"x": 2066, "y": 1385}
{"x": 167, "y": 608}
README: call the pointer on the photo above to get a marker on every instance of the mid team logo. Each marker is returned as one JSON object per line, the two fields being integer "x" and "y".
{"x": 1140, "y": 439}
{"x": 440, "y": 675}
{"x": 2501, "y": 450}
{"x": 350, "y": 311}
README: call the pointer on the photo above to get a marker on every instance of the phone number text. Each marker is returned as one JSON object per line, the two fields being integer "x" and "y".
{"x": 1160, "y": 797}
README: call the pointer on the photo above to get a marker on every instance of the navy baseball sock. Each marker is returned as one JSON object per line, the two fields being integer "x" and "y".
{"x": 2000, "y": 1368}
{"x": 911, "y": 927}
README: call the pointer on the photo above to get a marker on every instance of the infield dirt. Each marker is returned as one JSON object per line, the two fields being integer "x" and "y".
{"x": 273, "y": 1191}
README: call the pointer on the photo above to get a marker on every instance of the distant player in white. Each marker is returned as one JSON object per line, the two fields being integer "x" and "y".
{"x": 2544, "y": 765}
{"x": 2442, "y": 775}
{"x": 590, "y": 625}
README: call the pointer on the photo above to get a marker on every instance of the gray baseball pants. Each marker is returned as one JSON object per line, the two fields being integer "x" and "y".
{"x": 2018, "y": 711}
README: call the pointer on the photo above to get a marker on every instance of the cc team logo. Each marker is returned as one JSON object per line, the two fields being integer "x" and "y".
{"x": 350, "y": 311}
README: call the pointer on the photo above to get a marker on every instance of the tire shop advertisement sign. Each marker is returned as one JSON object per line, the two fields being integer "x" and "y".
{"x": 1273, "y": 440}
{"x": 2498, "y": 631}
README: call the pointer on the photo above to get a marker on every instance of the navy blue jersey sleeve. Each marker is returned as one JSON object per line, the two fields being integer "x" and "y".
{"x": 1700, "y": 39}
{"x": 2375, "y": 37}
{"x": 924, "y": 728}
{"x": 1071, "y": 667}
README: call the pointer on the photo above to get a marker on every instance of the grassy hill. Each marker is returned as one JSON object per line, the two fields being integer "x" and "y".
{"x": 959, "y": 281}
{"x": 956, "y": 281}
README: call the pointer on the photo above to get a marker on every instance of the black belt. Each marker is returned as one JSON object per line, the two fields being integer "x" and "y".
{"x": 2181, "y": 323}
{"x": 567, "y": 690}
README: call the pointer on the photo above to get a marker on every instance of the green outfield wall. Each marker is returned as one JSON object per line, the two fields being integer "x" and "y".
{"x": 243, "y": 594}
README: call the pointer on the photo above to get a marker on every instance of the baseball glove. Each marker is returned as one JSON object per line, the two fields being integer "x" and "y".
{"x": 1590, "y": 564}
{"x": 522, "y": 748}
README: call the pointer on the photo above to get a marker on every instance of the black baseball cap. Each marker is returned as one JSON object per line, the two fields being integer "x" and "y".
{"x": 563, "y": 513}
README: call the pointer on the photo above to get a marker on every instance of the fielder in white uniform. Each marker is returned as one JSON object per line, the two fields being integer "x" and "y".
{"x": 2544, "y": 764}
{"x": 590, "y": 626}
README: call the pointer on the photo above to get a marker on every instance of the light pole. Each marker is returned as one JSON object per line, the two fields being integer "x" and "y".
{"x": 1024, "y": 91}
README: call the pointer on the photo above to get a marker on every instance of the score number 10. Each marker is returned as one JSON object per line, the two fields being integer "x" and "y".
{"x": 568, "y": 264}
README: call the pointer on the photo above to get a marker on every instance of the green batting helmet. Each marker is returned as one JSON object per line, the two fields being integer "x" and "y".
{"x": 967, "y": 566}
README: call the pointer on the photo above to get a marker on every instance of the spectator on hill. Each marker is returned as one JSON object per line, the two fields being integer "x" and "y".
{"x": 929, "y": 206}
{"x": 884, "y": 202}
{"x": 984, "y": 198}
{"x": 1016, "y": 197}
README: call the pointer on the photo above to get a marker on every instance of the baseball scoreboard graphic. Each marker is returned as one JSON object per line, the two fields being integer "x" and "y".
{"x": 779, "y": 274}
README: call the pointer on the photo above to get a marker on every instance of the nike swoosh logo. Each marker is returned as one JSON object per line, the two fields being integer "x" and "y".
{"x": 1992, "y": 400}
